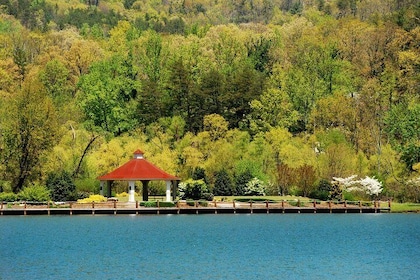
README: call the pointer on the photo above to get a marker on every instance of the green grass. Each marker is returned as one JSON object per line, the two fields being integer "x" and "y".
{"x": 405, "y": 207}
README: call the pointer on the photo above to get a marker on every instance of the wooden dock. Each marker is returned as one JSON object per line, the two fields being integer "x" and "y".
{"x": 251, "y": 207}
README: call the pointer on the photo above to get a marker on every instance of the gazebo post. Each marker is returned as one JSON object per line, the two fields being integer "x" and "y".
{"x": 109, "y": 184}
{"x": 168, "y": 190}
{"x": 145, "y": 190}
{"x": 174, "y": 189}
{"x": 101, "y": 190}
{"x": 131, "y": 187}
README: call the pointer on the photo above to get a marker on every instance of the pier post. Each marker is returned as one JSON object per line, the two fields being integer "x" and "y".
{"x": 1, "y": 207}
{"x": 24, "y": 211}
{"x": 298, "y": 205}
{"x": 234, "y": 207}
{"x": 177, "y": 206}
{"x": 48, "y": 207}
{"x": 282, "y": 206}
{"x": 314, "y": 203}
{"x": 115, "y": 207}
{"x": 93, "y": 207}
{"x": 250, "y": 205}
{"x": 137, "y": 207}
{"x": 375, "y": 206}
{"x": 389, "y": 204}
{"x": 345, "y": 206}
{"x": 196, "y": 206}
{"x": 158, "y": 206}
{"x": 329, "y": 206}
{"x": 266, "y": 205}
{"x": 71, "y": 207}
{"x": 360, "y": 206}
{"x": 215, "y": 207}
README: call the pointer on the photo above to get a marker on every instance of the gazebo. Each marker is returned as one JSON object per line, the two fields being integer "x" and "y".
{"x": 139, "y": 169}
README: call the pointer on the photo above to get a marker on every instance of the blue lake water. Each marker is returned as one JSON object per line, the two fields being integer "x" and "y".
{"x": 258, "y": 246}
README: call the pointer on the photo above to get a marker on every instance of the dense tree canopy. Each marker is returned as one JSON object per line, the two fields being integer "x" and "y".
{"x": 290, "y": 92}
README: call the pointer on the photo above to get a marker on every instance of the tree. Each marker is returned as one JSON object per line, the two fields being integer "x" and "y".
{"x": 305, "y": 179}
{"x": 403, "y": 129}
{"x": 182, "y": 91}
{"x": 55, "y": 78}
{"x": 108, "y": 95}
{"x": 241, "y": 181}
{"x": 255, "y": 187}
{"x": 61, "y": 186}
{"x": 284, "y": 178}
{"x": 200, "y": 173}
{"x": 222, "y": 183}
{"x": 29, "y": 131}
{"x": 216, "y": 125}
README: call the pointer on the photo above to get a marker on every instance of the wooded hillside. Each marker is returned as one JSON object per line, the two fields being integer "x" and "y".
{"x": 292, "y": 92}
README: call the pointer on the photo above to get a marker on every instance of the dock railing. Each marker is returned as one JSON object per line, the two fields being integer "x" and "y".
{"x": 195, "y": 206}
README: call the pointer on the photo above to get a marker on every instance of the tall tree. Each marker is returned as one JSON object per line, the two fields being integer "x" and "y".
{"x": 29, "y": 130}
{"x": 108, "y": 94}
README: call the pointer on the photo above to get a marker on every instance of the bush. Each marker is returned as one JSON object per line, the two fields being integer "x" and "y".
{"x": 349, "y": 196}
{"x": 149, "y": 204}
{"x": 190, "y": 202}
{"x": 166, "y": 204}
{"x": 8, "y": 197}
{"x": 195, "y": 190}
{"x": 203, "y": 203}
{"x": 34, "y": 193}
{"x": 123, "y": 194}
{"x": 318, "y": 194}
{"x": 93, "y": 198}
{"x": 62, "y": 186}
{"x": 255, "y": 187}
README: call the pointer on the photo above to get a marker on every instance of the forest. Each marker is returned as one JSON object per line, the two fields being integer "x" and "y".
{"x": 287, "y": 94}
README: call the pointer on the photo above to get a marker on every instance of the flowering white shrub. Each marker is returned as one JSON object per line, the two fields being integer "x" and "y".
{"x": 255, "y": 187}
{"x": 371, "y": 185}
{"x": 346, "y": 182}
{"x": 368, "y": 185}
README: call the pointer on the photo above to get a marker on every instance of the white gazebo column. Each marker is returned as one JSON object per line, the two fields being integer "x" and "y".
{"x": 168, "y": 190}
{"x": 101, "y": 191}
{"x": 131, "y": 187}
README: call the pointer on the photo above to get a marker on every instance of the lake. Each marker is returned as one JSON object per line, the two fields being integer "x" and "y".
{"x": 242, "y": 246}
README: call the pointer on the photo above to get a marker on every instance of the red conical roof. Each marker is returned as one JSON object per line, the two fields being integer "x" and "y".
{"x": 137, "y": 169}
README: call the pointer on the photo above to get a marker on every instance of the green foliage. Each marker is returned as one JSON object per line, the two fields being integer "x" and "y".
{"x": 194, "y": 189}
{"x": 108, "y": 95}
{"x": 149, "y": 204}
{"x": 86, "y": 185}
{"x": 272, "y": 88}
{"x": 166, "y": 204}
{"x": 222, "y": 183}
{"x": 29, "y": 129}
{"x": 34, "y": 193}
{"x": 241, "y": 181}
{"x": 200, "y": 173}
{"x": 93, "y": 198}
{"x": 62, "y": 186}
{"x": 8, "y": 196}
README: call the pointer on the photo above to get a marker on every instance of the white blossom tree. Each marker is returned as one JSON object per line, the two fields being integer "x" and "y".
{"x": 368, "y": 185}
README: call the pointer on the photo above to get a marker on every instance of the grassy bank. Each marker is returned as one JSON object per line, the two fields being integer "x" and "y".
{"x": 405, "y": 207}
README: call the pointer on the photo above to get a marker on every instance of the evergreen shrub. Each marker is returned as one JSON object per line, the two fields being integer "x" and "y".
{"x": 62, "y": 186}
